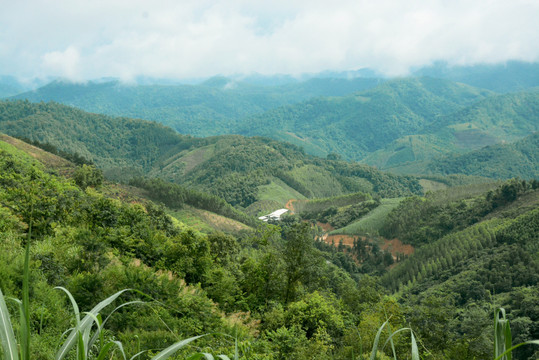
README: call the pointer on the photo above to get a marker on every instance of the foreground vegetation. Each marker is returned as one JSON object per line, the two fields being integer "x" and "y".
{"x": 272, "y": 293}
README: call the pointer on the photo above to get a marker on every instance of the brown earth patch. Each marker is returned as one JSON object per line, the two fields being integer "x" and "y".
{"x": 290, "y": 205}
{"x": 325, "y": 226}
{"x": 396, "y": 246}
{"x": 347, "y": 240}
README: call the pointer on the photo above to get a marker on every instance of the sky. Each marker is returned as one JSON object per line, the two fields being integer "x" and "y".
{"x": 181, "y": 39}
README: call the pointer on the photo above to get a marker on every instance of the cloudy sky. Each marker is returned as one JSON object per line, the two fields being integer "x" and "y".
{"x": 89, "y": 39}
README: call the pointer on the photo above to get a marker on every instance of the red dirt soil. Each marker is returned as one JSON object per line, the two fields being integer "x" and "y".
{"x": 290, "y": 205}
{"x": 347, "y": 240}
{"x": 325, "y": 226}
{"x": 396, "y": 246}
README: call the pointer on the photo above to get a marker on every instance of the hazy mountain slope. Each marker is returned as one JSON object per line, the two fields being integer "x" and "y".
{"x": 508, "y": 77}
{"x": 507, "y": 117}
{"x": 356, "y": 125}
{"x": 496, "y": 119}
{"x": 211, "y": 108}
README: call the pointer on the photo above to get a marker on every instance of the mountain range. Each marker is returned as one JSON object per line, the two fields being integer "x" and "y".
{"x": 394, "y": 124}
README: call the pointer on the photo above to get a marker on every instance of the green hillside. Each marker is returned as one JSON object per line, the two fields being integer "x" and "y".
{"x": 181, "y": 283}
{"x": 477, "y": 252}
{"x": 371, "y": 222}
{"x": 211, "y": 108}
{"x": 271, "y": 293}
{"x": 398, "y": 125}
{"x": 235, "y": 168}
{"x": 356, "y": 125}
{"x": 246, "y": 170}
{"x": 494, "y": 120}
{"x": 501, "y": 161}
{"x": 118, "y": 142}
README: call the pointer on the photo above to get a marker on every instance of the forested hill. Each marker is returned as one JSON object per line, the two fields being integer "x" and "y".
{"x": 505, "y": 161}
{"x": 245, "y": 171}
{"x": 211, "y": 108}
{"x": 399, "y": 124}
{"x": 274, "y": 293}
{"x": 496, "y": 119}
{"x": 240, "y": 170}
{"x": 356, "y": 125}
{"x": 107, "y": 141}
{"x": 395, "y": 125}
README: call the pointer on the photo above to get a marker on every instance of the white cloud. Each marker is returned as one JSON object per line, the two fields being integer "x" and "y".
{"x": 190, "y": 38}
{"x": 63, "y": 63}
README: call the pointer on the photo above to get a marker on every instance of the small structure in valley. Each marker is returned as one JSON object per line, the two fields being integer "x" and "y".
{"x": 275, "y": 216}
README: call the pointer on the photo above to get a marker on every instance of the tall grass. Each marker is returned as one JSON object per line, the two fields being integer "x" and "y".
{"x": 503, "y": 347}
{"x": 86, "y": 338}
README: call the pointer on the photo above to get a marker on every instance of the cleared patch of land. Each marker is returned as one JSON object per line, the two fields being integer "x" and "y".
{"x": 278, "y": 191}
{"x": 372, "y": 222}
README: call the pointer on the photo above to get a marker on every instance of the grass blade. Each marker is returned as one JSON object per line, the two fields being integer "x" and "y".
{"x": 199, "y": 356}
{"x": 510, "y": 350}
{"x": 101, "y": 324}
{"x": 7, "y": 336}
{"x": 81, "y": 353}
{"x": 508, "y": 339}
{"x": 25, "y": 308}
{"x": 377, "y": 340}
{"x": 502, "y": 335}
{"x": 106, "y": 348}
{"x": 165, "y": 354}
{"x": 73, "y": 303}
{"x": 415, "y": 351}
{"x": 391, "y": 339}
{"x": 87, "y": 321}
{"x": 138, "y": 354}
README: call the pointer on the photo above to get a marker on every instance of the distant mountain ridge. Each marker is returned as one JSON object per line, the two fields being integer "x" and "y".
{"x": 397, "y": 124}
{"x": 496, "y": 119}
{"x": 214, "y": 107}
{"x": 510, "y": 76}
{"x": 359, "y": 124}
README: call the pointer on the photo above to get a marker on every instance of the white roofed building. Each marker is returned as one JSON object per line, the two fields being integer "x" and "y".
{"x": 276, "y": 215}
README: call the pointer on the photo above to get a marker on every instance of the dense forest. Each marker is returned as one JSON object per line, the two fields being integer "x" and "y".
{"x": 402, "y": 122}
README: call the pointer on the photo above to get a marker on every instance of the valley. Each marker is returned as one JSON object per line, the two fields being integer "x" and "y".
{"x": 412, "y": 202}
